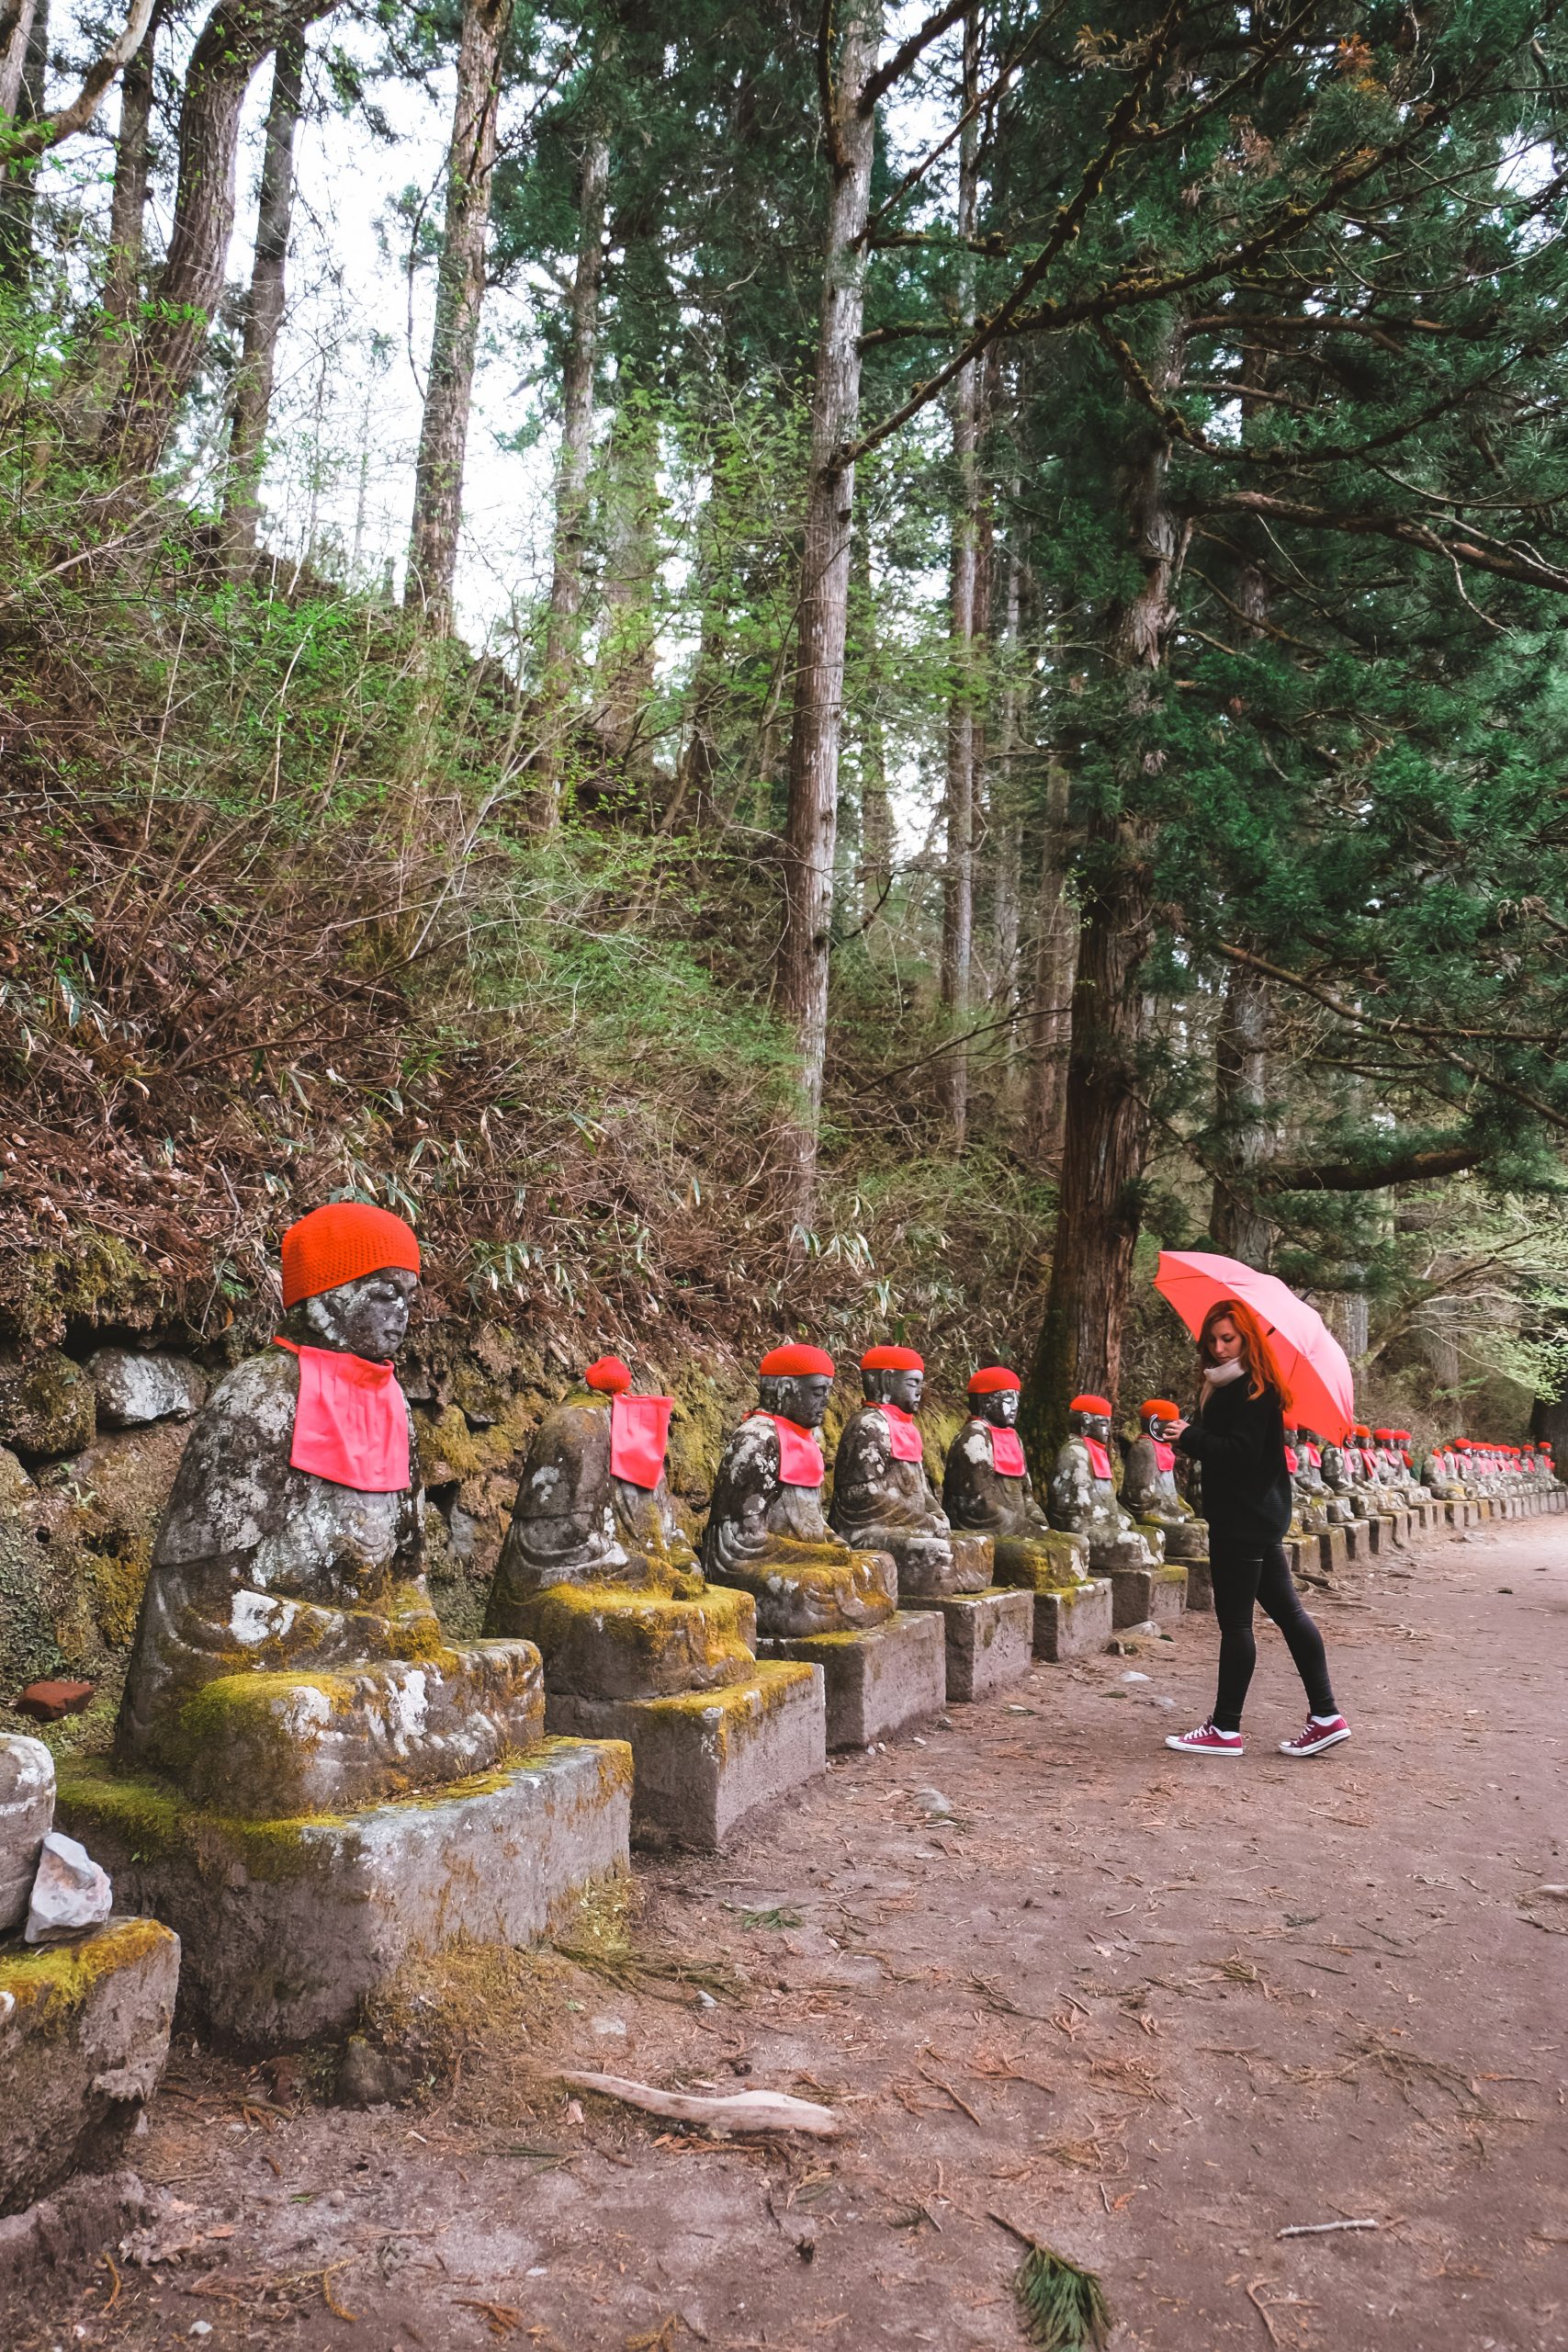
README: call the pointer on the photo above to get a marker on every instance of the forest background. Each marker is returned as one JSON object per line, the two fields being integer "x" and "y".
{"x": 778, "y": 670}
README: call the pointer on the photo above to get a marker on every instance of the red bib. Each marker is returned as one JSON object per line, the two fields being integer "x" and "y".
{"x": 904, "y": 1433}
{"x": 640, "y": 1432}
{"x": 351, "y": 1424}
{"x": 1315, "y": 1458}
{"x": 800, "y": 1456}
{"x": 1291, "y": 1462}
{"x": 1098, "y": 1460}
{"x": 1006, "y": 1454}
{"x": 1164, "y": 1455}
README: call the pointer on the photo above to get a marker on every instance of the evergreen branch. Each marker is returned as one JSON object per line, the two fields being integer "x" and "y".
{"x": 1531, "y": 572}
{"x": 916, "y": 172}
{"x": 1066, "y": 228}
{"x": 1428, "y": 1036}
{"x": 1411, "y": 1167}
{"x": 903, "y": 57}
{"x": 1063, "y": 2307}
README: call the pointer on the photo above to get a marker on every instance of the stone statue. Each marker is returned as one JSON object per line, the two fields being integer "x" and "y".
{"x": 766, "y": 1532}
{"x": 1309, "y": 1511}
{"x": 1148, "y": 1482}
{"x": 596, "y": 1569}
{"x": 287, "y": 1660}
{"x": 987, "y": 1491}
{"x": 883, "y": 1500}
{"x": 1439, "y": 1474}
{"x": 1333, "y": 1507}
{"x": 1084, "y": 1499}
{"x": 1337, "y": 1477}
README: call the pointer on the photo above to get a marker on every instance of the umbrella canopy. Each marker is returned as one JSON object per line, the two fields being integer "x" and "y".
{"x": 1314, "y": 1367}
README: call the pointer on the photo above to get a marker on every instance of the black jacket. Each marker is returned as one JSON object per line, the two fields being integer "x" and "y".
{"x": 1238, "y": 1443}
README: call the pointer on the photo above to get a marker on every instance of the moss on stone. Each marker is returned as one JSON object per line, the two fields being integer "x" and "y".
{"x": 51, "y": 1982}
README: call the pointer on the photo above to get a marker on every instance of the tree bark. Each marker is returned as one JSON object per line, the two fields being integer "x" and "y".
{"x": 563, "y": 627}
{"x": 459, "y": 298}
{"x": 18, "y": 189}
{"x": 1237, "y": 1227}
{"x": 127, "y": 202}
{"x": 1048, "y": 1029}
{"x": 1005, "y": 814}
{"x": 624, "y": 685}
{"x": 163, "y": 354}
{"x": 811, "y": 831}
{"x": 876, "y": 810}
{"x": 958, "y": 885}
{"x": 264, "y": 312}
{"x": 1099, "y": 1204}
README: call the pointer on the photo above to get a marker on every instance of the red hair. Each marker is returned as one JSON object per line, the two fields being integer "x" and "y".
{"x": 1262, "y": 1364}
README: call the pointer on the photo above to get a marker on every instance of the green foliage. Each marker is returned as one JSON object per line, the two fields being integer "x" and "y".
{"x": 1063, "y": 2308}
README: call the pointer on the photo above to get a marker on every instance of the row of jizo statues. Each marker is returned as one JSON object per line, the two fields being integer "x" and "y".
{"x": 312, "y": 1783}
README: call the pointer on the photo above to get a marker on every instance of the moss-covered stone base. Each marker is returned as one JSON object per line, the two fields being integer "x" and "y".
{"x": 1072, "y": 1621}
{"x": 289, "y": 1926}
{"x": 618, "y": 1642}
{"x": 707, "y": 1759}
{"x": 83, "y": 2034}
{"x": 990, "y": 1639}
{"x": 1140, "y": 1595}
{"x": 879, "y": 1683}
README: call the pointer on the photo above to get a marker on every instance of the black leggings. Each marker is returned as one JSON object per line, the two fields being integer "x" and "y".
{"x": 1241, "y": 1576}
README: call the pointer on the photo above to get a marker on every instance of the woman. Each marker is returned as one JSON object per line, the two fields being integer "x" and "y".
{"x": 1238, "y": 1439}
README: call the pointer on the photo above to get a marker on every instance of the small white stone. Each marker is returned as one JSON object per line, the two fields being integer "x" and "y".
{"x": 1131, "y": 1676}
{"x": 933, "y": 1804}
{"x": 26, "y": 1815}
{"x": 608, "y": 2029}
{"x": 70, "y": 1892}
{"x": 199, "y": 2327}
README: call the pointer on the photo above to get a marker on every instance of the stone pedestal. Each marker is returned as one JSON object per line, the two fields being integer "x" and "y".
{"x": 879, "y": 1683}
{"x": 1333, "y": 1552}
{"x": 1138, "y": 1595}
{"x": 287, "y": 1925}
{"x": 83, "y": 2034}
{"x": 1072, "y": 1621}
{"x": 989, "y": 1640}
{"x": 707, "y": 1759}
{"x": 1399, "y": 1529}
{"x": 1200, "y": 1586}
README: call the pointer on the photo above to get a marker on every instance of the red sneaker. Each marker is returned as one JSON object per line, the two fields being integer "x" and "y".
{"x": 1207, "y": 1740}
{"x": 1317, "y": 1737}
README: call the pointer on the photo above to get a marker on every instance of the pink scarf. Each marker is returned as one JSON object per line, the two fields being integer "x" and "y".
{"x": 800, "y": 1456}
{"x": 904, "y": 1433}
{"x": 1006, "y": 1454}
{"x": 351, "y": 1423}
{"x": 640, "y": 1432}
{"x": 1164, "y": 1455}
{"x": 1098, "y": 1460}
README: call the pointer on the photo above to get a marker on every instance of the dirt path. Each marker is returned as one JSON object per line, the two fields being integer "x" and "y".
{"x": 1150, "y": 2008}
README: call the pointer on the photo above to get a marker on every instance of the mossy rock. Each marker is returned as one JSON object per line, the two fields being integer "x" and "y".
{"x": 48, "y": 1406}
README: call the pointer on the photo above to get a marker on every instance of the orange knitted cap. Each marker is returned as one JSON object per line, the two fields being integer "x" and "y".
{"x": 795, "y": 1359}
{"x": 1089, "y": 1404}
{"x": 609, "y": 1374}
{"x": 340, "y": 1243}
{"x": 1161, "y": 1408}
{"x": 990, "y": 1377}
{"x": 891, "y": 1359}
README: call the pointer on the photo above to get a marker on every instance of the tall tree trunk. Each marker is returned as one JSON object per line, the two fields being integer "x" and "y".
{"x": 1100, "y": 1200}
{"x": 264, "y": 312}
{"x": 563, "y": 627}
{"x": 128, "y": 200}
{"x": 624, "y": 685}
{"x": 1048, "y": 1029}
{"x": 875, "y": 811}
{"x": 17, "y": 21}
{"x": 958, "y": 887}
{"x": 18, "y": 188}
{"x": 1005, "y": 810}
{"x": 811, "y": 831}
{"x": 1238, "y": 1226}
{"x": 459, "y": 297}
{"x": 163, "y": 354}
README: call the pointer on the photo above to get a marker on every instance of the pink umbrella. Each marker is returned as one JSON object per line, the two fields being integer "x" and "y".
{"x": 1313, "y": 1365}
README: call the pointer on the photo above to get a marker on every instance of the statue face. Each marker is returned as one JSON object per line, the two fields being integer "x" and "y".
{"x": 801, "y": 1398}
{"x": 1094, "y": 1425}
{"x": 904, "y": 1389}
{"x": 999, "y": 1407}
{"x": 368, "y": 1318}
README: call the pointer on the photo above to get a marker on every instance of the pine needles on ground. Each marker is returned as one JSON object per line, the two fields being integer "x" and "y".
{"x": 1062, "y": 2306}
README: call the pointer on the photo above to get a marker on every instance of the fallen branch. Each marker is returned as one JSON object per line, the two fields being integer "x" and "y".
{"x": 1323, "y": 2229}
{"x": 737, "y": 2112}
